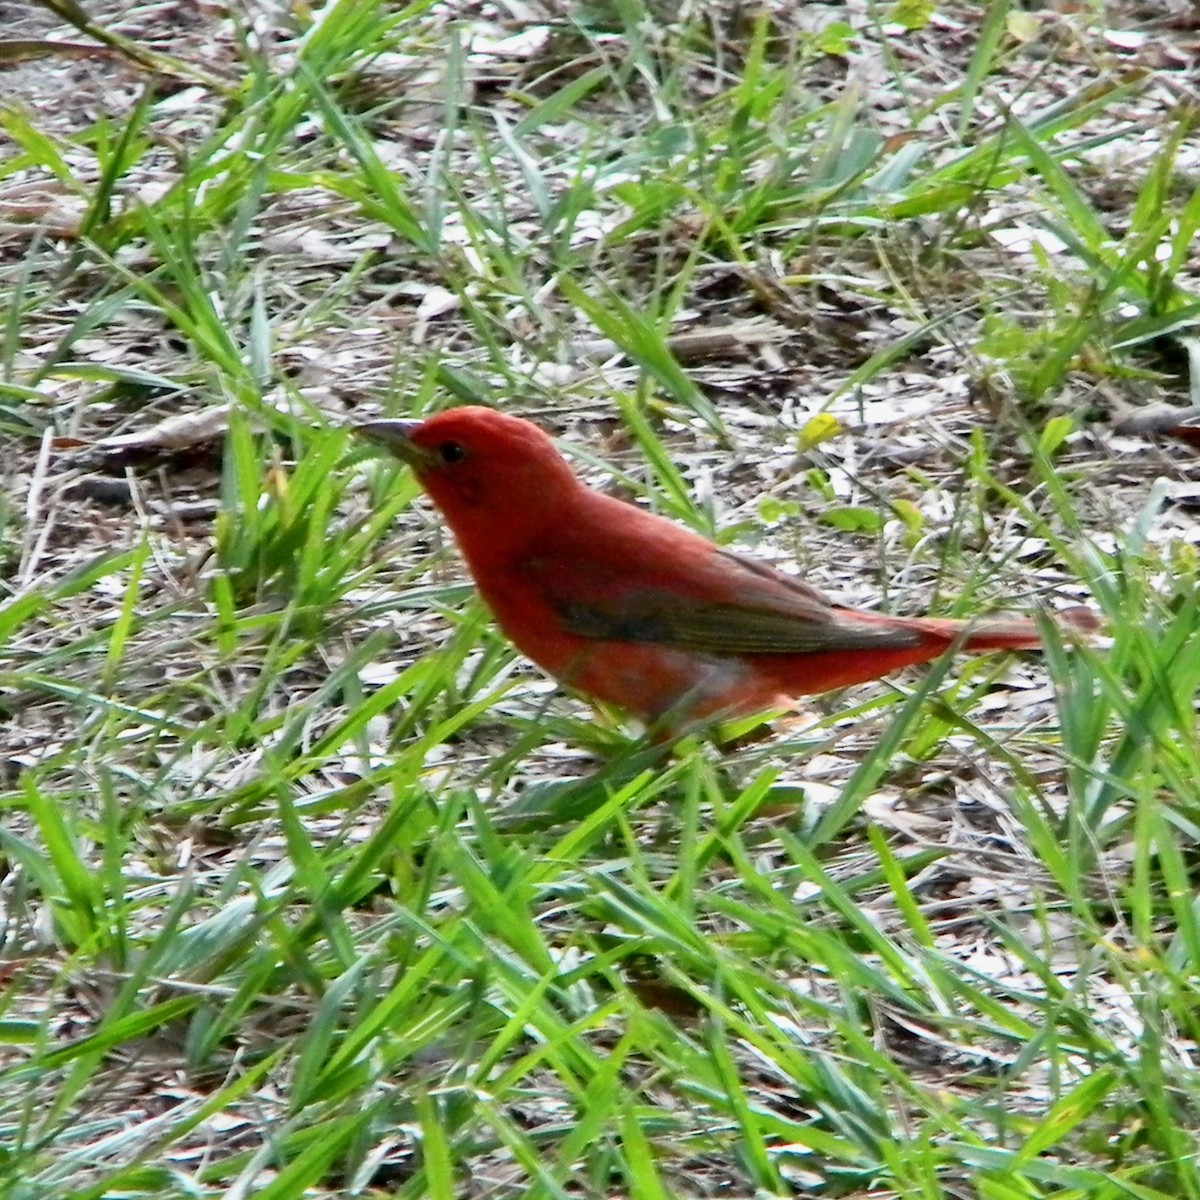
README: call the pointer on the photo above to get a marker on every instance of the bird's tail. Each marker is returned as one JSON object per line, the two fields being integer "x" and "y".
{"x": 1010, "y": 633}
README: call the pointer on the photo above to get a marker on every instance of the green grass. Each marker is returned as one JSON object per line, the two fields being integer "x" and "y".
{"x": 310, "y": 887}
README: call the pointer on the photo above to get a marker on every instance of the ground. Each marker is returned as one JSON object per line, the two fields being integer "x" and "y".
{"x": 309, "y": 885}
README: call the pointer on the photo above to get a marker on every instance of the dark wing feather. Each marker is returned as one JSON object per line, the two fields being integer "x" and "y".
{"x": 779, "y": 614}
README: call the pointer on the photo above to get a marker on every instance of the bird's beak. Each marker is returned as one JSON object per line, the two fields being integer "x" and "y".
{"x": 396, "y": 436}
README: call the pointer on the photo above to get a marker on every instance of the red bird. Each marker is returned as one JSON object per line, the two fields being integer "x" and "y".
{"x": 627, "y": 607}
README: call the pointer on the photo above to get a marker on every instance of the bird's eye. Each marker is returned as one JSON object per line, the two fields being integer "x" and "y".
{"x": 452, "y": 452}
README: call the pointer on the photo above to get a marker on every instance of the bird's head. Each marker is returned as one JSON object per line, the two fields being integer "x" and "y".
{"x": 482, "y": 468}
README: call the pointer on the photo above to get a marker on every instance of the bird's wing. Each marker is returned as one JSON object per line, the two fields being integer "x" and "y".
{"x": 772, "y": 613}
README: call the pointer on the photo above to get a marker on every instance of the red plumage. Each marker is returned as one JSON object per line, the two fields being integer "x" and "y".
{"x": 627, "y": 607}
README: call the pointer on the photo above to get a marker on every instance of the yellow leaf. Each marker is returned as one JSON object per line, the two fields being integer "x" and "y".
{"x": 1023, "y": 26}
{"x": 818, "y": 429}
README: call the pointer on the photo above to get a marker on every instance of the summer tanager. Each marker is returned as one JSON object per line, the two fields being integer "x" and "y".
{"x": 628, "y": 607}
